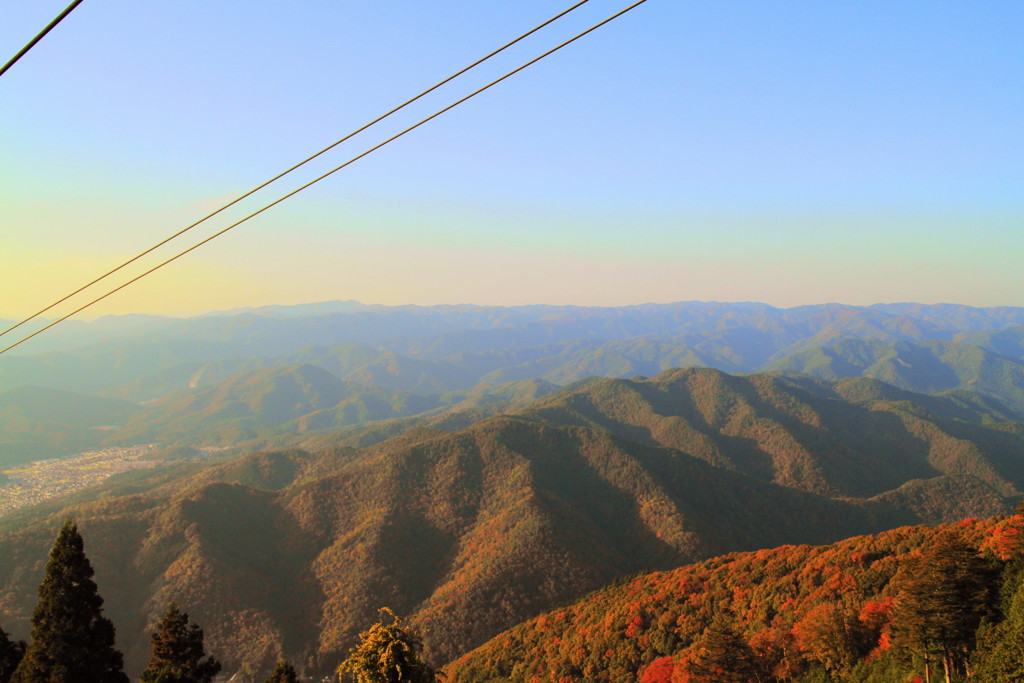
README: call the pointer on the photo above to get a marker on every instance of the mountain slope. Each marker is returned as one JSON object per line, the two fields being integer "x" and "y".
{"x": 851, "y": 438}
{"x": 789, "y": 603}
{"x": 470, "y": 531}
{"x": 267, "y": 404}
{"x": 931, "y": 366}
{"x": 43, "y": 423}
{"x": 240, "y": 408}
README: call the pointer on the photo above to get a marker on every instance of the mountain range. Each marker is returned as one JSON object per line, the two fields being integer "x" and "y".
{"x": 211, "y": 380}
{"x": 472, "y": 519}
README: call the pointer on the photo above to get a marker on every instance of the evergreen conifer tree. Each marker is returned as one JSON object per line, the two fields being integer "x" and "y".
{"x": 11, "y": 653}
{"x": 1000, "y": 655}
{"x": 387, "y": 654}
{"x": 178, "y": 654}
{"x": 947, "y": 593}
{"x": 722, "y": 656}
{"x": 71, "y": 639}
{"x": 283, "y": 673}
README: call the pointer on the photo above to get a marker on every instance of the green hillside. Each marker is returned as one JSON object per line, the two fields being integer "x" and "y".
{"x": 267, "y": 405}
{"x": 931, "y": 366}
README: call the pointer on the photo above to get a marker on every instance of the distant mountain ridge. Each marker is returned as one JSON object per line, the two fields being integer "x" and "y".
{"x": 281, "y": 400}
{"x": 333, "y": 323}
{"x": 410, "y": 359}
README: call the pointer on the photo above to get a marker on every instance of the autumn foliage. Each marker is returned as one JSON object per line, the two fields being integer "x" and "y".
{"x": 842, "y": 610}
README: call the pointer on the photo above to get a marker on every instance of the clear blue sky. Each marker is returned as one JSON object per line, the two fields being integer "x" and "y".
{"x": 787, "y": 152}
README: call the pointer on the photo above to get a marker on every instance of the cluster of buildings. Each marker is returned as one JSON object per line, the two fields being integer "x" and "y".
{"x": 38, "y": 481}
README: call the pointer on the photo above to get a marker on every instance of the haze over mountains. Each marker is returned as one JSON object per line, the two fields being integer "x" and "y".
{"x": 472, "y": 467}
{"x": 381, "y": 363}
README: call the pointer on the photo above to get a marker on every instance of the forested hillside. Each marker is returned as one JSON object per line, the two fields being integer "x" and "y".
{"x": 871, "y": 608}
{"x": 473, "y": 528}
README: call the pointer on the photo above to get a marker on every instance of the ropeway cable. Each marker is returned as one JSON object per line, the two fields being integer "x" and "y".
{"x": 296, "y": 166}
{"x": 329, "y": 173}
{"x": 39, "y": 36}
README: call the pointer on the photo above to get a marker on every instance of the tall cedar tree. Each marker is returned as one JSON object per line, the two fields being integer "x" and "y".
{"x": 387, "y": 654}
{"x": 946, "y": 595}
{"x": 71, "y": 639}
{"x": 11, "y": 653}
{"x": 178, "y": 654}
{"x": 1000, "y": 655}
{"x": 722, "y": 656}
{"x": 283, "y": 673}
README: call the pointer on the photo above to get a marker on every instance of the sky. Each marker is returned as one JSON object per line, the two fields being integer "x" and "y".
{"x": 786, "y": 152}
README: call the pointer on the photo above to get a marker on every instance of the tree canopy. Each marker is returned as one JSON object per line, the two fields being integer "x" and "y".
{"x": 178, "y": 653}
{"x": 722, "y": 656}
{"x": 387, "y": 653}
{"x": 71, "y": 639}
{"x": 283, "y": 673}
{"x": 11, "y": 653}
{"x": 946, "y": 595}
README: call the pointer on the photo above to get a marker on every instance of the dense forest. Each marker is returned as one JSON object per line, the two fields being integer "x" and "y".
{"x": 915, "y": 603}
{"x": 73, "y": 642}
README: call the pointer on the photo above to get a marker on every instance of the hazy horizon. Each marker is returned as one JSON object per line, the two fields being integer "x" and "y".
{"x": 786, "y": 154}
{"x": 87, "y": 317}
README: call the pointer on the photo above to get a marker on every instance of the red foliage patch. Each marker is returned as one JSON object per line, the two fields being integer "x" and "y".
{"x": 660, "y": 671}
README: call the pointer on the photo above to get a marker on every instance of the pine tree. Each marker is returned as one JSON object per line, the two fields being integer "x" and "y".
{"x": 11, "y": 653}
{"x": 283, "y": 673}
{"x": 947, "y": 593}
{"x": 722, "y": 656}
{"x": 71, "y": 639}
{"x": 387, "y": 654}
{"x": 1000, "y": 655}
{"x": 178, "y": 654}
